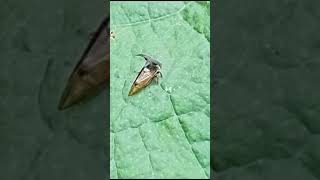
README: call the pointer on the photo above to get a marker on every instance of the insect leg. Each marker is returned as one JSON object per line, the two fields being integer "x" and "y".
{"x": 157, "y": 79}
{"x": 159, "y": 73}
{"x": 157, "y": 76}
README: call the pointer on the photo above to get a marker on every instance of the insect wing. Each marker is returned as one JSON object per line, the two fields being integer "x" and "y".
{"x": 143, "y": 79}
{"x": 90, "y": 75}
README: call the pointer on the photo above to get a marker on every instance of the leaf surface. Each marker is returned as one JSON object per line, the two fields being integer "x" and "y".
{"x": 164, "y": 130}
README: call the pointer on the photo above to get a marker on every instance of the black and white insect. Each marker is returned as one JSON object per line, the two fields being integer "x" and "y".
{"x": 149, "y": 72}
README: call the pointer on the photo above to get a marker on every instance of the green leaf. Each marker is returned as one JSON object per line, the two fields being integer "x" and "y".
{"x": 163, "y": 131}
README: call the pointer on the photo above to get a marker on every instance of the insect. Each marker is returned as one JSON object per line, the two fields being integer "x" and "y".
{"x": 150, "y": 71}
{"x": 91, "y": 74}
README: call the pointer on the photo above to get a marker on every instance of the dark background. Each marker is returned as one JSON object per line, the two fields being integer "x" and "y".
{"x": 40, "y": 43}
{"x": 266, "y": 104}
{"x": 266, "y": 112}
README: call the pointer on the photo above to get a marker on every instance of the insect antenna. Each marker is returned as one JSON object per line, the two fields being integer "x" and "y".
{"x": 149, "y": 59}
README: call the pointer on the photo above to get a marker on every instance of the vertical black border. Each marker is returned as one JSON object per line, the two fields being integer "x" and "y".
{"x": 107, "y": 130}
{"x": 212, "y": 85}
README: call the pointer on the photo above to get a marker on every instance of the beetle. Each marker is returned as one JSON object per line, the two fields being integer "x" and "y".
{"x": 149, "y": 72}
